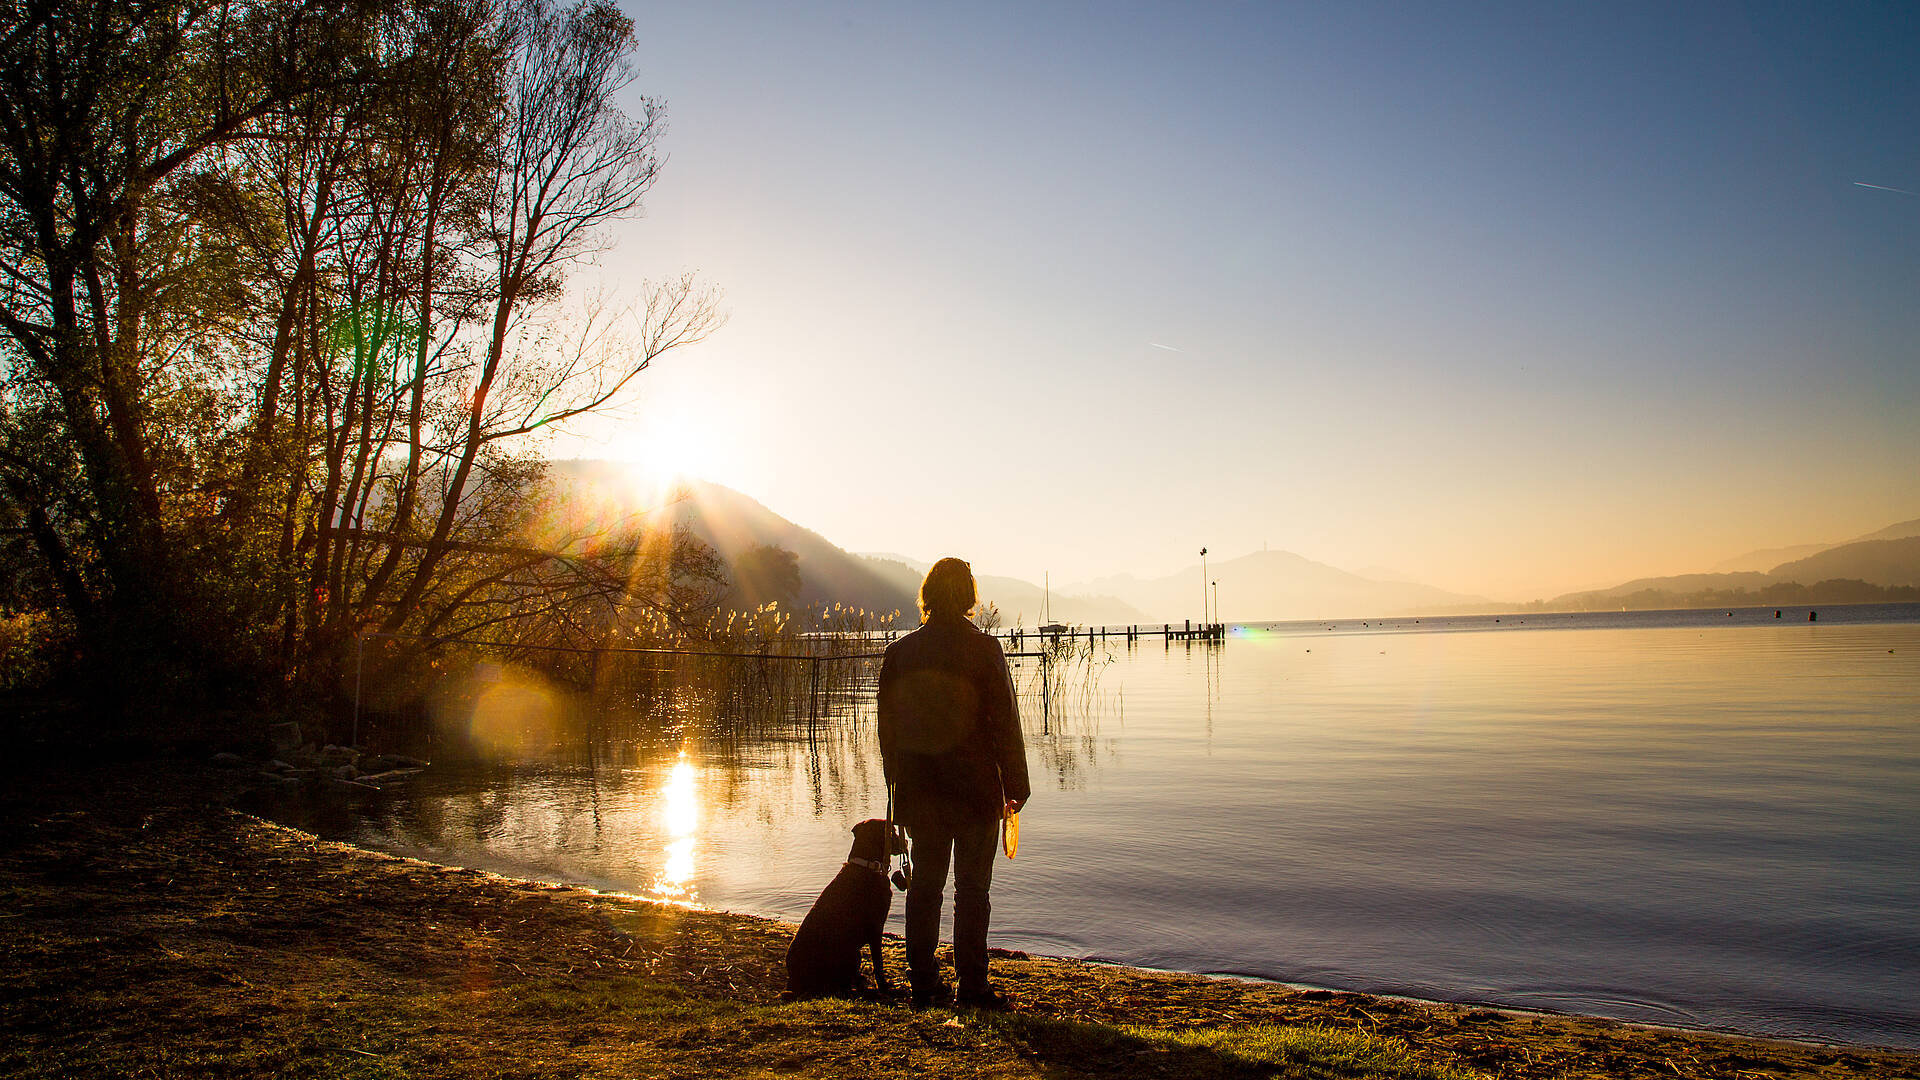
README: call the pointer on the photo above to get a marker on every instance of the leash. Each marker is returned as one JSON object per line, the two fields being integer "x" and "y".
{"x": 903, "y": 877}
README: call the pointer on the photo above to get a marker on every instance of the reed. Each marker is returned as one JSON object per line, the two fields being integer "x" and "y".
{"x": 737, "y": 675}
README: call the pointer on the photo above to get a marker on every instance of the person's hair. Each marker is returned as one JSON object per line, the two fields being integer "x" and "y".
{"x": 948, "y": 590}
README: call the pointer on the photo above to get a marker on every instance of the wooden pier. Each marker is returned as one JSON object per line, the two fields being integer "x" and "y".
{"x": 1131, "y": 634}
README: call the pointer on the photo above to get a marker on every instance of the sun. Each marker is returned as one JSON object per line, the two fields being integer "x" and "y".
{"x": 681, "y": 431}
{"x": 667, "y": 445}
{"x": 661, "y": 443}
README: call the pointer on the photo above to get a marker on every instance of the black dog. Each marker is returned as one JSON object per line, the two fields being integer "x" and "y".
{"x": 824, "y": 959}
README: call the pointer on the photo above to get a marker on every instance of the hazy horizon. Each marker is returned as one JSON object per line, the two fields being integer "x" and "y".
{"x": 649, "y": 489}
{"x": 1515, "y": 301}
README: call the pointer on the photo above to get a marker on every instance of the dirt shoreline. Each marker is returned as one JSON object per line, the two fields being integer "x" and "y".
{"x": 153, "y": 930}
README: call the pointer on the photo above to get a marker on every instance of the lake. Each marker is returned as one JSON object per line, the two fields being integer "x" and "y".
{"x": 1693, "y": 818}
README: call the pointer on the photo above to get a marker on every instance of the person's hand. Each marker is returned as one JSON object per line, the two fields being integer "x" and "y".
{"x": 1013, "y": 807}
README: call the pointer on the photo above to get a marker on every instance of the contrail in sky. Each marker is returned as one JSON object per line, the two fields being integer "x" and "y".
{"x": 1170, "y": 348}
{"x": 1883, "y": 187}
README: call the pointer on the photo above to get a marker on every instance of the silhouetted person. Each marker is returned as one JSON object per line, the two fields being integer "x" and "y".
{"x": 951, "y": 747}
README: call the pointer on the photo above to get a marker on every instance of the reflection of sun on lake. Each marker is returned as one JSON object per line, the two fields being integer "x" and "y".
{"x": 680, "y": 814}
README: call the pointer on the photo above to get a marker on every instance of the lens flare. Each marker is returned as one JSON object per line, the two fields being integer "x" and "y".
{"x": 501, "y": 711}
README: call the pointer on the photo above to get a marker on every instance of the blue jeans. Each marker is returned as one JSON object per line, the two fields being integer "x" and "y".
{"x": 969, "y": 847}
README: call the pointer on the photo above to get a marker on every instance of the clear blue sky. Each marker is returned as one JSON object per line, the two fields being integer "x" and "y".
{"x": 1508, "y": 299}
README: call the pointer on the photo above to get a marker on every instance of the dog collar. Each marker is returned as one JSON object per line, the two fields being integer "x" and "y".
{"x": 870, "y": 864}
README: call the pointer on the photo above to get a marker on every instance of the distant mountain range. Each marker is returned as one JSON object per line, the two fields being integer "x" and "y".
{"x": 1275, "y": 585}
{"x": 1020, "y": 603}
{"x": 1766, "y": 560}
{"x": 1889, "y": 558}
{"x": 1759, "y": 562}
{"x": 1265, "y": 585}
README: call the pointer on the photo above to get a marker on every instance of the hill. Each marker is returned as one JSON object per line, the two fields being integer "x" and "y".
{"x": 1767, "y": 559}
{"x": 1677, "y": 584}
{"x": 731, "y": 523}
{"x": 1892, "y": 532}
{"x": 1020, "y": 602}
{"x": 1276, "y": 585}
{"x": 1877, "y": 562}
{"x": 1874, "y": 568}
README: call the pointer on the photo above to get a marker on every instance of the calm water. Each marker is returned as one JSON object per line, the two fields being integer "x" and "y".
{"x": 1682, "y": 818}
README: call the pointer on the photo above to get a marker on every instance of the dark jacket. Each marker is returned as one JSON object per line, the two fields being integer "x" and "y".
{"x": 949, "y": 726}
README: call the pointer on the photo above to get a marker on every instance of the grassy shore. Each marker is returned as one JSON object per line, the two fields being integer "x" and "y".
{"x": 150, "y": 931}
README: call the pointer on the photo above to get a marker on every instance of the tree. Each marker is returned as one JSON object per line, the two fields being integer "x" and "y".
{"x": 765, "y": 574}
{"x": 281, "y": 313}
{"x": 104, "y": 107}
{"x": 487, "y": 372}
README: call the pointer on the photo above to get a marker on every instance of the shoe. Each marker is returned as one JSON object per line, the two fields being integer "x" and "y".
{"x": 928, "y": 997}
{"x": 987, "y": 1000}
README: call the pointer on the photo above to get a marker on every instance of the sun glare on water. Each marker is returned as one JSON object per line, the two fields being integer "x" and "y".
{"x": 679, "y": 819}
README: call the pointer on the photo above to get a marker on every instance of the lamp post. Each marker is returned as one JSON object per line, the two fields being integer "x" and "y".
{"x": 1216, "y": 601}
{"x": 1203, "y": 587}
